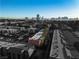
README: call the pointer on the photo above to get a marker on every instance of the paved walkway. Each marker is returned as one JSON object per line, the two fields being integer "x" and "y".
{"x": 60, "y": 46}
{"x": 56, "y": 38}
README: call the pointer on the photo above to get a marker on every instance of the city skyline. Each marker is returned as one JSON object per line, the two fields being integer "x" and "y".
{"x": 46, "y": 8}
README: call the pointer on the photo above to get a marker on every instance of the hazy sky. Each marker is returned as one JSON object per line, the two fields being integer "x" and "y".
{"x": 46, "y": 8}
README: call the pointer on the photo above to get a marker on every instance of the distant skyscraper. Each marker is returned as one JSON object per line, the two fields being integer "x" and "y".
{"x": 26, "y": 18}
{"x": 37, "y": 17}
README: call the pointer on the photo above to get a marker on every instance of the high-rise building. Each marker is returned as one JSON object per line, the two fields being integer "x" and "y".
{"x": 37, "y": 17}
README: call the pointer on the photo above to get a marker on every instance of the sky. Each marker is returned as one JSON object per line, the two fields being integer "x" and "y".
{"x": 46, "y": 8}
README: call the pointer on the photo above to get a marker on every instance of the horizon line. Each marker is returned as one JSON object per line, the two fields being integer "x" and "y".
{"x": 4, "y": 17}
